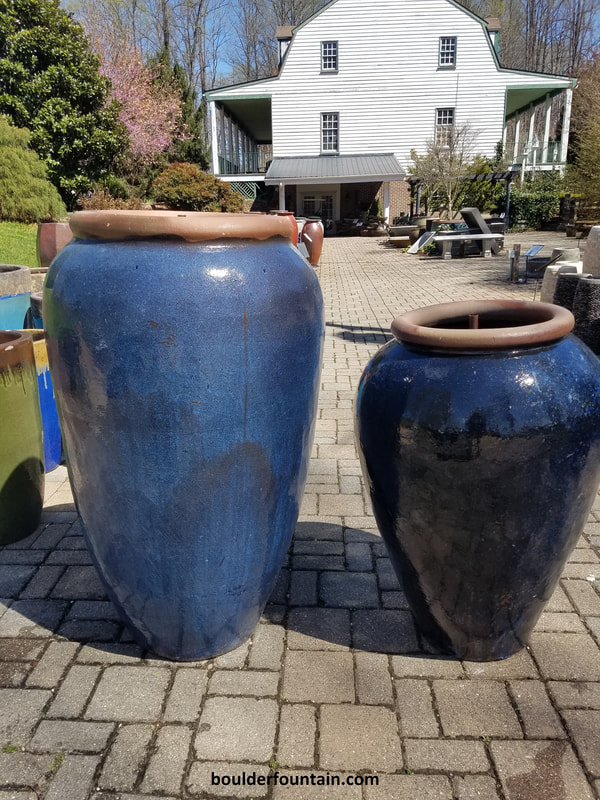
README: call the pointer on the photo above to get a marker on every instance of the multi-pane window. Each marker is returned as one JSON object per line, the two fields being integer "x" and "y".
{"x": 447, "y": 55}
{"x": 444, "y": 124}
{"x": 329, "y": 56}
{"x": 330, "y": 126}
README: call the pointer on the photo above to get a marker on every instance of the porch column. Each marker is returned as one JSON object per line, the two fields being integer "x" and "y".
{"x": 564, "y": 136}
{"x": 282, "y": 196}
{"x": 214, "y": 138}
{"x": 386, "y": 201}
{"x": 544, "y": 158}
{"x": 517, "y": 137}
{"x": 531, "y": 133}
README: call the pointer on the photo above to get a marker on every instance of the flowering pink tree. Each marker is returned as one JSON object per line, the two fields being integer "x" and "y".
{"x": 150, "y": 109}
{"x": 151, "y": 112}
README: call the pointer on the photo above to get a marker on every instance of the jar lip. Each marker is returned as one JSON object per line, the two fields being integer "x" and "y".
{"x": 192, "y": 226}
{"x": 503, "y": 325}
{"x": 15, "y": 347}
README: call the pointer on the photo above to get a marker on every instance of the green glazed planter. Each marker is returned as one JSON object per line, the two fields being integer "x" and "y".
{"x": 22, "y": 452}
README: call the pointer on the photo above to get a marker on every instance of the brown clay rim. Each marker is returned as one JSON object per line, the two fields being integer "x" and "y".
{"x": 193, "y": 226}
{"x": 503, "y": 324}
{"x": 15, "y": 348}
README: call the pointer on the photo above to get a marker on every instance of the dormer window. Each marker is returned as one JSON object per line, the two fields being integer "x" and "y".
{"x": 447, "y": 52}
{"x": 329, "y": 56}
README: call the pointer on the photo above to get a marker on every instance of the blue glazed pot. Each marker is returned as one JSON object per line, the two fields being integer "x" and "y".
{"x": 185, "y": 352}
{"x": 15, "y": 290}
{"x": 482, "y": 451}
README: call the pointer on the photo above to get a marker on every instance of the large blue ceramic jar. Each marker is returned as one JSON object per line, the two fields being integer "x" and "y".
{"x": 479, "y": 431}
{"x": 185, "y": 350}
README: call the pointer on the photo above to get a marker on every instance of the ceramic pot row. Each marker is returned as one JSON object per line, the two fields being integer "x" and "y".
{"x": 188, "y": 443}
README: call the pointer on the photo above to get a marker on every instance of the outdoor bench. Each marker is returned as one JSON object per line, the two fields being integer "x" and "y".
{"x": 485, "y": 238}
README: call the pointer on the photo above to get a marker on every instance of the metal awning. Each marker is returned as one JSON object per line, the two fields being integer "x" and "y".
{"x": 335, "y": 169}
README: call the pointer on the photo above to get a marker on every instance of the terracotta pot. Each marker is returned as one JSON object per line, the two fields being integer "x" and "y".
{"x": 481, "y": 447}
{"x": 51, "y": 238}
{"x": 290, "y": 214}
{"x": 21, "y": 450}
{"x": 312, "y": 236}
{"x": 186, "y": 370}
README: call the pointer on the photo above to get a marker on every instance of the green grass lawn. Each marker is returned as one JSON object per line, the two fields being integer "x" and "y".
{"x": 18, "y": 244}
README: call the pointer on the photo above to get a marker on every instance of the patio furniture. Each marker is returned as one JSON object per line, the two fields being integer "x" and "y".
{"x": 489, "y": 242}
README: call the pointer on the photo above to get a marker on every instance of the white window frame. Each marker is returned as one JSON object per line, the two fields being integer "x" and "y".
{"x": 329, "y": 53}
{"x": 445, "y": 119}
{"x": 447, "y": 52}
{"x": 330, "y": 124}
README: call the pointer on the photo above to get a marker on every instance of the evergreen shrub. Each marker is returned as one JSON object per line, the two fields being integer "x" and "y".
{"x": 26, "y": 194}
{"x": 184, "y": 186}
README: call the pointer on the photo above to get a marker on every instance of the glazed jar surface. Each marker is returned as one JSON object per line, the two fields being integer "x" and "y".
{"x": 21, "y": 449}
{"x": 186, "y": 375}
{"x": 483, "y": 466}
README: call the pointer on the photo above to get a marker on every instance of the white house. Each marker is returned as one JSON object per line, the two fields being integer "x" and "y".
{"x": 361, "y": 84}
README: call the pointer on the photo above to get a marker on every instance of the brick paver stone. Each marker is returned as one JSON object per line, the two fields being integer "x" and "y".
{"x": 126, "y": 757}
{"x": 373, "y": 679}
{"x": 536, "y": 770}
{"x": 318, "y": 629}
{"x": 186, "y": 695}
{"x": 539, "y": 718}
{"x": 252, "y": 682}
{"x": 167, "y": 765}
{"x": 318, "y": 677}
{"x": 414, "y": 701}
{"x": 349, "y": 590}
{"x": 237, "y": 729}
{"x": 359, "y": 738}
{"x": 475, "y": 708}
{"x": 439, "y": 755}
{"x": 566, "y": 656}
{"x": 74, "y": 778}
{"x": 297, "y": 730}
{"x": 575, "y": 695}
{"x": 79, "y": 582}
{"x": 74, "y": 692}
{"x": 426, "y": 667}
{"x": 24, "y": 769}
{"x": 129, "y": 694}
{"x": 267, "y": 647}
{"x": 518, "y": 666}
{"x": 20, "y": 710}
{"x": 410, "y": 787}
{"x": 71, "y": 736}
{"x": 475, "y": 787}
{"x": 384, "y": 631}
{"x": 584, "y": 727}
{"x": 314, "y": 791}
{"x": 13, "y": 577}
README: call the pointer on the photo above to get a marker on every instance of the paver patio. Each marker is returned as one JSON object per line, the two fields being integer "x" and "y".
{"x": 335, "y": 680}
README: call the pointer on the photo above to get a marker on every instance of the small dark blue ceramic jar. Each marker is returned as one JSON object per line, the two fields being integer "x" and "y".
{"x": 479, "y": 432}
{"x": 185, "y": 350}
